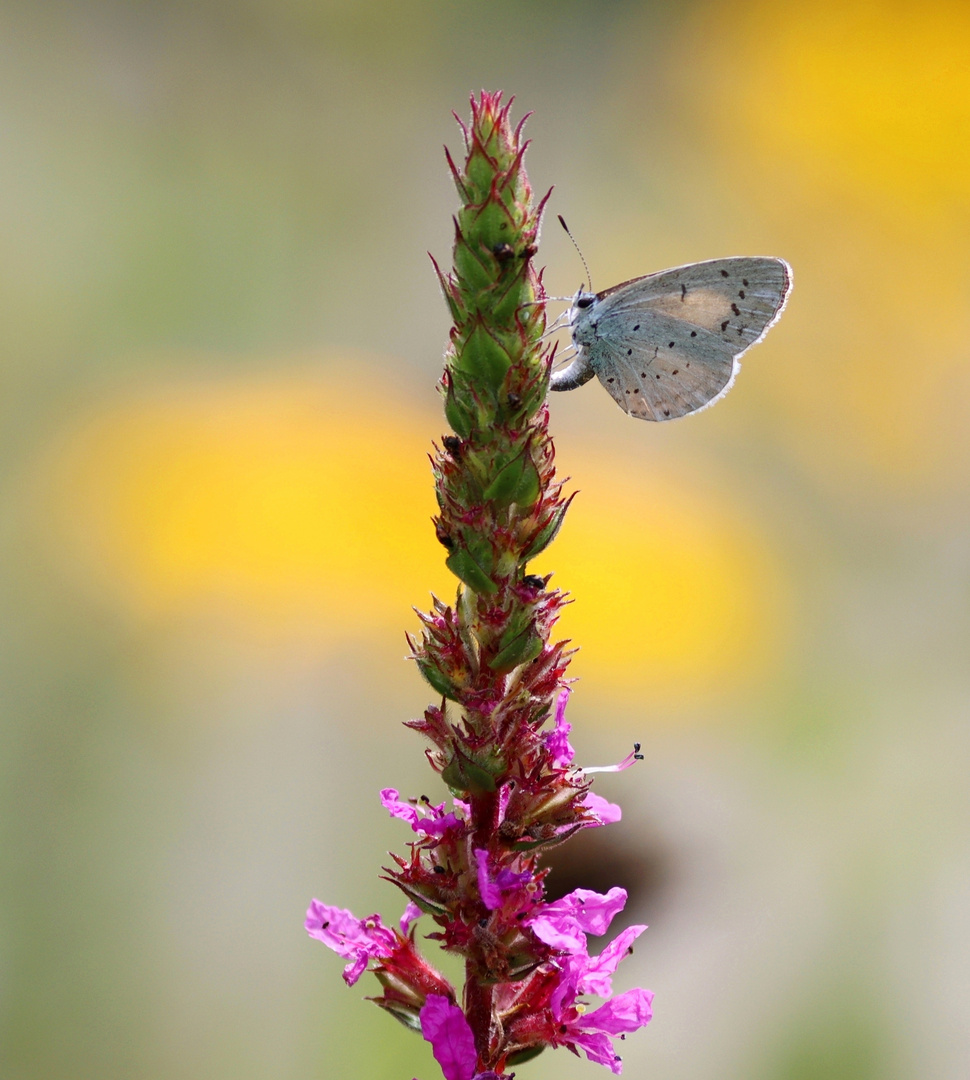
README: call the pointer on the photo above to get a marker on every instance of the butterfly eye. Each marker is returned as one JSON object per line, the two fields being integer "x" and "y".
{"x": 585, "y": 301}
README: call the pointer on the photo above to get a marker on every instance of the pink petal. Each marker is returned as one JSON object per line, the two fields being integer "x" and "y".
{"x": 557, "y": 741}
{"x": 411, "y": 914}
{"x": 396, "y": 808}
{"x": 625, "y": 1012}
{"x": 353, "y": 971}
{"x": 564, "y": 923}
{"x": 341, "y": 930}
{"x": 432, "y": 821}
{"x": 490, "y": 893}
{"x": 452, "y": 1043}
{"x": 437, "y": 826}
{"x": 596, "y": 978}
{"x": 568, "y": 989}
{"x": 606, "y": 813}
{"x": 557, "y": 933}
{"x": 599, "y": 1049}
{"x": 594, "y": 911}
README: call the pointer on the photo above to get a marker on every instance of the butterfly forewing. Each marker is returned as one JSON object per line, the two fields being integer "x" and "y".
{"x": 747, "y": 293}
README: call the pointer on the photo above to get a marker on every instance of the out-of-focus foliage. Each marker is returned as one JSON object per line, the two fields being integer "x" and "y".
{"x": 221, "y": 338}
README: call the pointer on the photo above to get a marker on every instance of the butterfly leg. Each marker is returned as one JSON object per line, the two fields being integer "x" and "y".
{"x": 556, "y": 325}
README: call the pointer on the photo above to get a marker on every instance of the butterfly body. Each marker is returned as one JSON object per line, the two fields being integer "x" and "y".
{"x": 668, "y": 344}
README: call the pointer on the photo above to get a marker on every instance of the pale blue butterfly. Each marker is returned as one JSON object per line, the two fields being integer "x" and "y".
{"x": 668, "y": 344}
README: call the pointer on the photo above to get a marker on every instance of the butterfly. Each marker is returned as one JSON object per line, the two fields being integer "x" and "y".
{"x": 668, "y": 344}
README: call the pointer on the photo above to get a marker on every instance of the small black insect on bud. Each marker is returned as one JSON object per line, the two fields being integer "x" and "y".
{"x": 453, "y": 445}
{"x": 503, "y": 252}
{"x": 514, "y": 400}
{"x": 533, "y": 581}
{"x": 443, "y": 537}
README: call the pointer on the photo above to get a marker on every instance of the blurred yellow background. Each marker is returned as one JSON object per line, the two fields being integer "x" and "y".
{"x": 221, "y": 337}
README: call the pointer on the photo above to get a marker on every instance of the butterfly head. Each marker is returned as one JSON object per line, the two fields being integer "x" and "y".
{"x": 582, "y": 302}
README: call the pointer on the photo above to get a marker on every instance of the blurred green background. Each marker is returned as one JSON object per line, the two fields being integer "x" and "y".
{"x": 221, "y": 335}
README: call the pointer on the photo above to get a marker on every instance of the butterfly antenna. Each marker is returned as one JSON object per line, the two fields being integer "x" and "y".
{"x": 562, "y": 222}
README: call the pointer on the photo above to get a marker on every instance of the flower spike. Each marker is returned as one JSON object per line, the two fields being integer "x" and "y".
{"x": 497, "y": 731}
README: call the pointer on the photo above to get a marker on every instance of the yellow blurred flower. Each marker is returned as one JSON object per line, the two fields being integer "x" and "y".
{"x": 836, "y": 134}
{"x": 677, "y": 596}
{"x": 300, "y": 504}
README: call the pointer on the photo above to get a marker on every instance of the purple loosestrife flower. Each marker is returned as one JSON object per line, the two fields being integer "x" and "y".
{"x": 356, "y": 940}
{"x": 497, "y": 732}
{"x": 406, "y": 977}
{"x": 593, "y": 1033}
{"x": 429, "y": 820}
{"x": 601, "y": 812}
{"x": 547, "y": 1009}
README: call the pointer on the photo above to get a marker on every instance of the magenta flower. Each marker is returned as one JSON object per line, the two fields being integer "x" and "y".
{"x": 581, "y": 974}
{"x": 422, "y": 817}
{"x": 564, "y": 923}
{"x": 411, "y": 913}
{"x": 594, "y": 1032}
{"x": 555, "y": 994}
{"x": 356, "y": 940}
{"x": 562, "y": 754}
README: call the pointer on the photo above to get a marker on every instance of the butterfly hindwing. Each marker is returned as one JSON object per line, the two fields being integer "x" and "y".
{"x": 668, "y": 379}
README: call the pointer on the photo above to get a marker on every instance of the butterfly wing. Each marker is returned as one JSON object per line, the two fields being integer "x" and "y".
{"x": 668, "y": 344}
